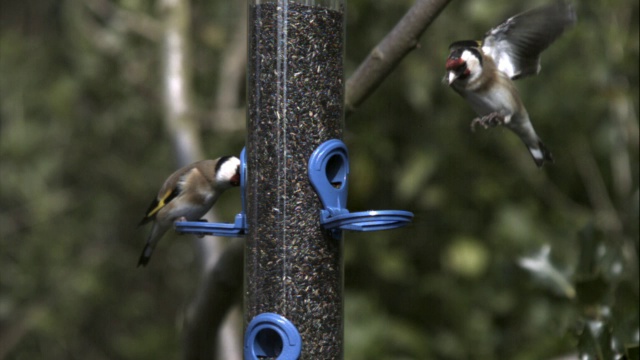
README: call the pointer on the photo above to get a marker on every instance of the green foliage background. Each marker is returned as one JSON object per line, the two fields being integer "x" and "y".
{"x": 503, "y": 261}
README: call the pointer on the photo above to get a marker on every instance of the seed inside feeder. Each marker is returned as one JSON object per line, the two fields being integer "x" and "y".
{"x": 294, "y": 267}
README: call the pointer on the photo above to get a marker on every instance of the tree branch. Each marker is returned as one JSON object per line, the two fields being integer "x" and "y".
{"x": 390, "y": 51}
{"x": 228, "y": 114}
{"x": 220, "y": 290}
{"x": 176, "y": 86}
{"x": 212, "y": 300}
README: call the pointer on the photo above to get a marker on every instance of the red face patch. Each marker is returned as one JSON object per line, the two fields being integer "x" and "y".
{"x": 235, "y": 179}
{"x": 454, "y": 63}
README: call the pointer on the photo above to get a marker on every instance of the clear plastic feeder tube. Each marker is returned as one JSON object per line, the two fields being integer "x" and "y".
{"x": 293, "y": 267}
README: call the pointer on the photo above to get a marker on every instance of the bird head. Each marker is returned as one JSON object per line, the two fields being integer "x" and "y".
{"x": 228, "y": 171}
{"x": 464, "y": 61}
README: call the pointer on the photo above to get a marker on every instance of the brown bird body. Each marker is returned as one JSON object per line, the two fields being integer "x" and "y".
{"x": 187, "y": 195}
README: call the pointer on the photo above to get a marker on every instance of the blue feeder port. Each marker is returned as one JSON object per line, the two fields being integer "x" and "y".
{"x": 271, "y": 335}
{"x": 328, "y": 174}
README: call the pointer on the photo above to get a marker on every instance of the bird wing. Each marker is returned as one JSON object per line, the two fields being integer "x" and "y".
{"x": 158, "y": 203}
{"x": 516, "y": 44}
{"x": 171, "y": 188}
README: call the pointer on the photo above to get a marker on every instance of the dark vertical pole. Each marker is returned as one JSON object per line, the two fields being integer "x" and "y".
{"x": 296, "y": 102}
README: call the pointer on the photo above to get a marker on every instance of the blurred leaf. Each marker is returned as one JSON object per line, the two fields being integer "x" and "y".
{"x": 542, "y": 269}
{"x": 419, "y": 169}
{"x": 467, "y": 257}
{"x": 594, "y": 343}
{"x": 588, "y": 261}
{"x": 374, "y": 336}
{"x": 593, "y": 291}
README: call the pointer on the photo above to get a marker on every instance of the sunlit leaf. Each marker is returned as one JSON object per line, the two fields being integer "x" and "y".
{"x": 542, "y": 269}
{"x": 467, "y": 257}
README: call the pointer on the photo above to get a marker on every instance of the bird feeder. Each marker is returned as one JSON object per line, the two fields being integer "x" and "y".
{"x": 294, "y": 181}
{"x": 293, "y": 266}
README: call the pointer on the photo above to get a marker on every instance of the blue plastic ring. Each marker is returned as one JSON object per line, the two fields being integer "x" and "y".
{"x": 369, "y": 220}
{"x": 216, "y": 229}
{"x": 270, "y": 335}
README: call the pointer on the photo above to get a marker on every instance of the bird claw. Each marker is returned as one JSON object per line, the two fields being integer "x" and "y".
{"x": 490, "y": 120}
{"x": 200, "y": 236}
{"x": 182, "y": 219}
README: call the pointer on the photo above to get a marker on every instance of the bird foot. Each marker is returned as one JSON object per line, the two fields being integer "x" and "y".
{"x": 200, "y": 236}
{"x": 490, "y": 120}
{"x": 182, "y": 218}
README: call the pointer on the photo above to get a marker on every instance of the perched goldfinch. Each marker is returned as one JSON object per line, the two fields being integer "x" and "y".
{"x": 482, "y": 72}
{"x": 187, "y": 195}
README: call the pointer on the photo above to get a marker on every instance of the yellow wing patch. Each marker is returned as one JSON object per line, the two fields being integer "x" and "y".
{"x": 158, "y": 204}
{"x": 161, "y": 203}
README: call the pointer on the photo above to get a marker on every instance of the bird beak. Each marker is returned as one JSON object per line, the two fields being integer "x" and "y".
{"x": 235, "y": 179}
{"x": 454, "y": 65}
{"x": 453, "y": 77}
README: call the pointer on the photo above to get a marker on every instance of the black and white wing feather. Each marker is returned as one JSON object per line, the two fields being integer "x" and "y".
{"x": 516, "y": 44}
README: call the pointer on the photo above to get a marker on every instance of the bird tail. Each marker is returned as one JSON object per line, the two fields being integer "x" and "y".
{"x": 540, "y": 153}
{"x": 157, "y": 231}
{"x": 146, "y": 255}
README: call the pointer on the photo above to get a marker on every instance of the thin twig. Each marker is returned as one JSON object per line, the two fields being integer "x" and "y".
{"x": 390, "y": 51}
{"x": 596, "y": 189}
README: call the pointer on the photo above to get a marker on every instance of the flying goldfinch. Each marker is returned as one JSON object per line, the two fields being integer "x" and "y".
{"x": 482, "y": 71}
{"x": 187, "y": 195}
